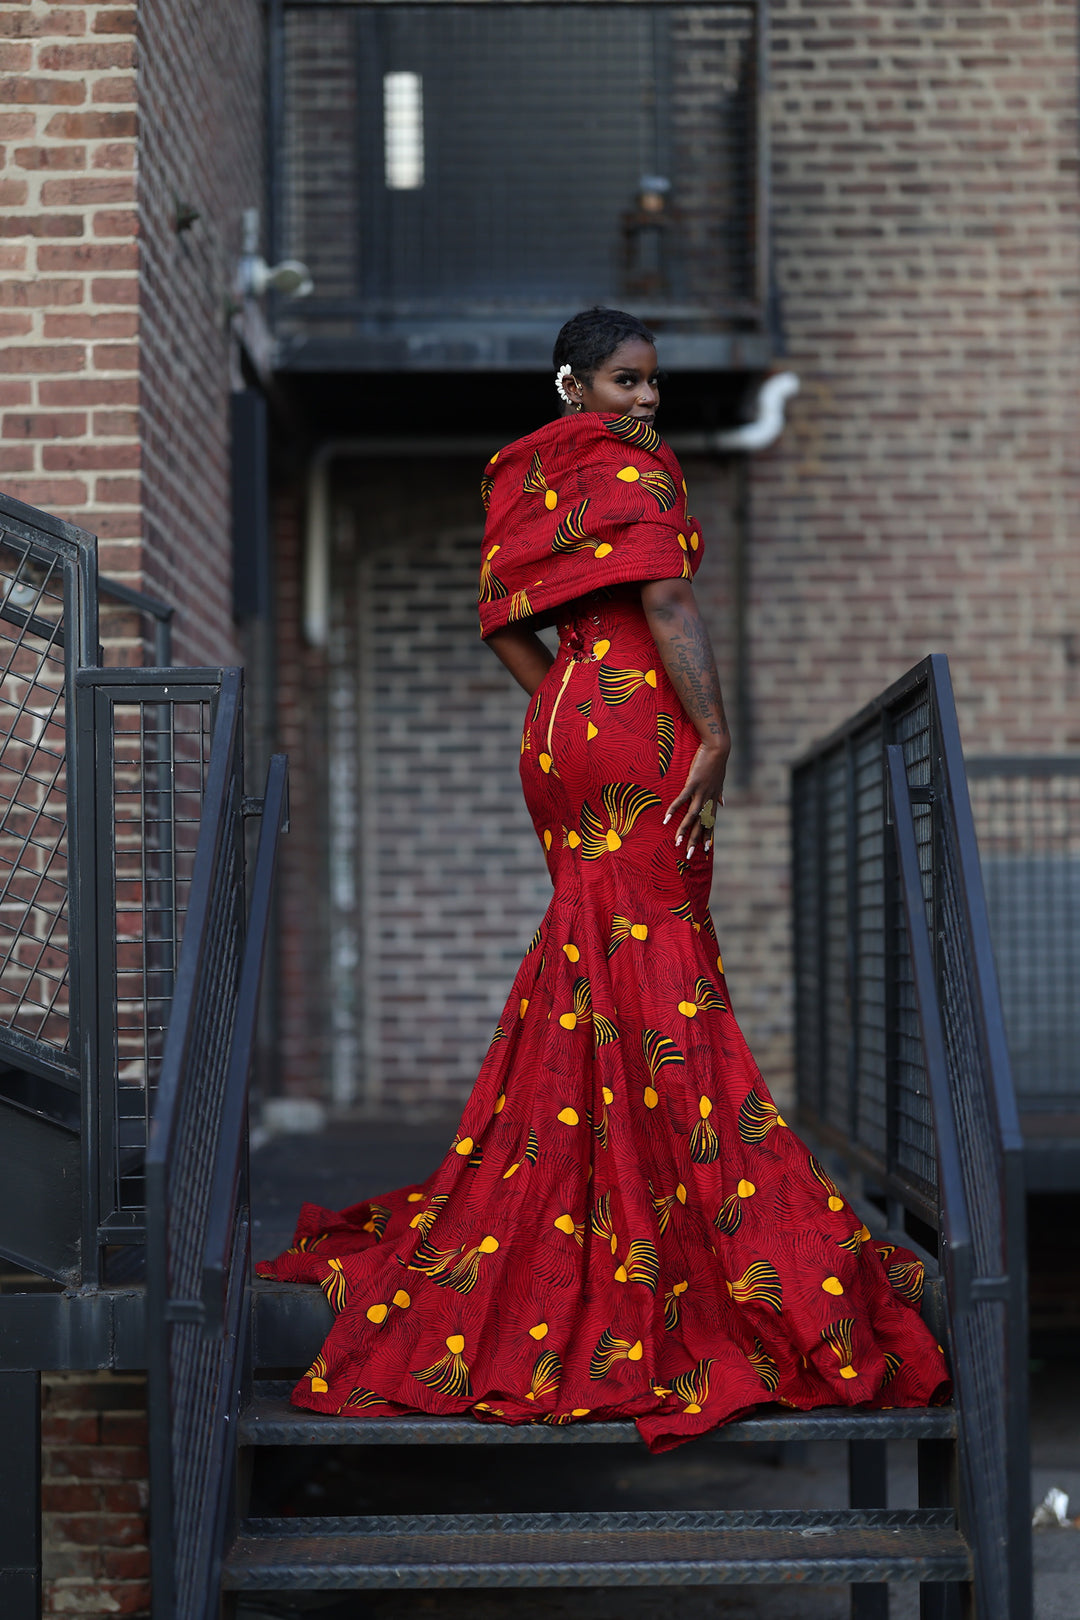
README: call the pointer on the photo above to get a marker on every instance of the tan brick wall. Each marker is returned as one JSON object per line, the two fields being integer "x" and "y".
{"x": 925, "y": 494}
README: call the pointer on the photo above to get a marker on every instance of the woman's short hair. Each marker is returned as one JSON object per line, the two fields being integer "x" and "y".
{"x": 587, "y": 339}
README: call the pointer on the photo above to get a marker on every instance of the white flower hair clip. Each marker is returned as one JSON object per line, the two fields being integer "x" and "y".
{"x": 560, "y": 377}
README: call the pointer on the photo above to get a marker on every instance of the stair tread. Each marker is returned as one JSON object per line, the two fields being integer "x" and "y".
{"x": 269, "y": 1419}
{"x": 599, "y": 1549}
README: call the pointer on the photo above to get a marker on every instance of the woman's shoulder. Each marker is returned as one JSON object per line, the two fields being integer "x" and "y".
{"x": 588, "y": 436}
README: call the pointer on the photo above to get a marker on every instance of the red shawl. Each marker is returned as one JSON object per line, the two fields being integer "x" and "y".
{"x": 584, "y": 502}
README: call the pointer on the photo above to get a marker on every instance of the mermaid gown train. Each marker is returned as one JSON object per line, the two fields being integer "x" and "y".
{"x": 624, "y": 1226}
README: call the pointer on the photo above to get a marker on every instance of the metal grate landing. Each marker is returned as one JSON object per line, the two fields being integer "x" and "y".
{"x": 598, "y": 1549}
{"x": 270, "y": 1420}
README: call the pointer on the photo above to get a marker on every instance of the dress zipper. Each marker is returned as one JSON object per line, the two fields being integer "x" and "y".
{"x": 568, "y": 671}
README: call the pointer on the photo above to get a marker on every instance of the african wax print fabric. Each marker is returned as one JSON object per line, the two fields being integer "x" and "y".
{"x": 624, "y": 1225}
{"x": 584, "y": 502}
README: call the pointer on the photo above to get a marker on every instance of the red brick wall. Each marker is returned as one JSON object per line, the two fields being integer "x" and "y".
{"x": 94, "y": 1495}
{"x": 69, "y": 436}
{"x": 114, "y": 325}
{"x": 200, "y": 146}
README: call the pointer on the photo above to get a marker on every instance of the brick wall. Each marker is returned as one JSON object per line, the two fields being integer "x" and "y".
{"x": 925, "y": 494}
{"x": 94, "y": 1495}
{"x": 304, "y": 1011}
{"x": 200, "y": 149}
{"x": 69, "y": 436}
{"x": 114, "y": 385}
{"x": 114, "y": 360}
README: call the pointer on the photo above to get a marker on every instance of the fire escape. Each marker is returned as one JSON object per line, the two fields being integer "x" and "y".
{"x": 434, "y": 209}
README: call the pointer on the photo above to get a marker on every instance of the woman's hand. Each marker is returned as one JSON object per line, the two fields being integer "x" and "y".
{"x": 702, "y": 794}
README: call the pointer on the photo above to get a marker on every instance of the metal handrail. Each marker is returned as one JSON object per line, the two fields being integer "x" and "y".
{"x": 230, "y": 1167}
{"x": 197, "y": 1318}
{"x": 171, "y": 1308}
{"x": 956, "y": 1257}
{"x": 896, "y": 978}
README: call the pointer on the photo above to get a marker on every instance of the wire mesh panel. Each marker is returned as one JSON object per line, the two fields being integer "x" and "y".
{"x": 34, "y": 923}
{"x": 1027, "y": 814}
{"x": 153, "y": 747}
{"x": 48, "y": 630}
{"x": 39, "y": 617}
{"x": 446, "y": 168}
{"x": 191, "y": 1369}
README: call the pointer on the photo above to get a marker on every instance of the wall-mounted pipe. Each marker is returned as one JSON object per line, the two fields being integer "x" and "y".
{"x": 756, "y": 435}
{"x": 768, "y": 422}
{"x": 317, "y": 514}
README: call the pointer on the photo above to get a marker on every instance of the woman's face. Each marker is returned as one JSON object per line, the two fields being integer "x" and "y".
{"x": 624, "y": 383}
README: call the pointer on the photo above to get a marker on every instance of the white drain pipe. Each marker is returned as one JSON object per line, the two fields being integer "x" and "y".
{"x": 764, "y": 430}
{"x": 768, "y": 423}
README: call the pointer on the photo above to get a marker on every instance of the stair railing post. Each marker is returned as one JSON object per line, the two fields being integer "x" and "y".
{"x": 20, "y": 1495}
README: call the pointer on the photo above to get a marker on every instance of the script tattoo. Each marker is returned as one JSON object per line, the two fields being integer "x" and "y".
{"x": 692, "y": 668}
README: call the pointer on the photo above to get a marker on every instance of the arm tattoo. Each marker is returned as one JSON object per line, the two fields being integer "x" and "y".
{"x": 688, "y": 659}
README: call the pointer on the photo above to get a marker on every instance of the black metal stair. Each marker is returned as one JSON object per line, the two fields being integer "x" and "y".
{"x": 269, "y": 1420}
{"x": 926, "y": 1137}
{"x": 598, "y": 1549}
{"x": 865, "y": 1545}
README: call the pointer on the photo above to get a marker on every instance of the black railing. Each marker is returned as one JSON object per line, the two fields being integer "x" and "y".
{"x": 103, "y": 776}
{"x": 1027, "y": 816}
{"x": 903, "y": 1071}
{"x": 152, "y": 608}
{"x": 196, "y": 1183}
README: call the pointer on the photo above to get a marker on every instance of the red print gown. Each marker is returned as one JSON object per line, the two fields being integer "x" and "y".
{"x": 624, "y": 1225}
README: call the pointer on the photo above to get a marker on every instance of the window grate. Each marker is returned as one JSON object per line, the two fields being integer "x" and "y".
{"x": 478, "y": 170}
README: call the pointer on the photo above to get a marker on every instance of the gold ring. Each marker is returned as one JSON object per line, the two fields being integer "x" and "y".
{"x": 707, "y": 814}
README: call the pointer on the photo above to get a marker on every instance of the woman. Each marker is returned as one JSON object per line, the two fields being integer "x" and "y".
{"x": 624, "y": 1225}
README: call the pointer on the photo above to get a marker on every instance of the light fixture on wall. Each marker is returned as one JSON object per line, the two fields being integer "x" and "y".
{"x": 254, "y": 277}
{"x": 403, "y": 131}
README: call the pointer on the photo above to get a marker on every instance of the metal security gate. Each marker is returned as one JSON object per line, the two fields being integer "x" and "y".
{"x": 461, "y": 177}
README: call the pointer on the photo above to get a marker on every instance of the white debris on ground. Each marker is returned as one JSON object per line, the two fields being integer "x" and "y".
{"x": 1053, "y": 1511}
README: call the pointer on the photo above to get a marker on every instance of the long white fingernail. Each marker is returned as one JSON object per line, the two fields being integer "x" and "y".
{"x": 667, "y": 818}
{"x": 678, "y": 841}
{"x": 690, "y": 851}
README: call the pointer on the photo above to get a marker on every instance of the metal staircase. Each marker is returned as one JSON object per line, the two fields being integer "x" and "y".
{"x": 905, "y": 1092}
{"x": 864, "y": 1544}
{"x": 131, "y": 945}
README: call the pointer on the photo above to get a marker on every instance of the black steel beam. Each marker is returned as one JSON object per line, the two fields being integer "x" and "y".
{"x": 20, "y": 1496}
{"x": 80, "y": 1332}
{"x": 868, "y": 1487}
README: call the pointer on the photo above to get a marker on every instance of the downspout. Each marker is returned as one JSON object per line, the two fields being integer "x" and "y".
{"x": 317, "y": 509}
{"x": 763, "y": 430}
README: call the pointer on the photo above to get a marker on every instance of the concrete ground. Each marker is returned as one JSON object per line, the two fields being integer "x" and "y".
{"x": 342, "y": 1167}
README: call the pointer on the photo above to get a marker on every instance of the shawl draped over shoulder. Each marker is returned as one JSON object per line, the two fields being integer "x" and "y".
{"x": 585, "y": 502}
